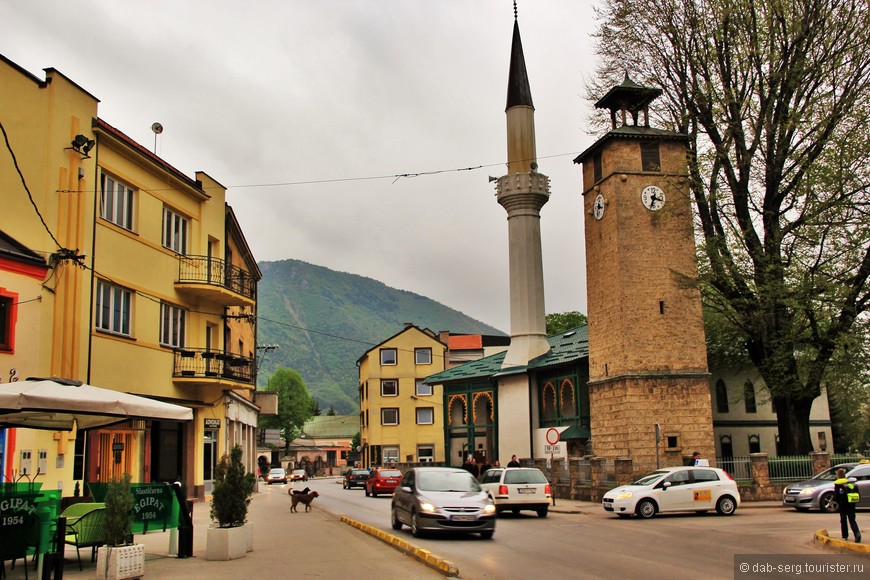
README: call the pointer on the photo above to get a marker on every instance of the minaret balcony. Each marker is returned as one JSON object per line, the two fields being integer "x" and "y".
{"x": 517, "y": 191}
{"x": 212, "y": 367}
{"x": 213, "y": 279}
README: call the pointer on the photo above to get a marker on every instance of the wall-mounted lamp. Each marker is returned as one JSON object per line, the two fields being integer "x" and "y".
{"x": 82, "y": 145}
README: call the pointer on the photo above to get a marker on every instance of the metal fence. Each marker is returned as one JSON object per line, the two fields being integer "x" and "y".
{"x": 787, "y": 469}
{"x": 738, "y": 467}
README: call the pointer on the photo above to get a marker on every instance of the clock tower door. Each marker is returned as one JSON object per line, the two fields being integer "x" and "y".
{"x": 647, "y": 355}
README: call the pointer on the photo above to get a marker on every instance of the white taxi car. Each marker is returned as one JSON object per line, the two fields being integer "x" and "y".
{"x": 675, "y": 489}
{"x": 517, "y": 488}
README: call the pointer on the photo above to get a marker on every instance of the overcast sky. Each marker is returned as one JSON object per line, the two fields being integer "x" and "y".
{"x": 305, "y": 109}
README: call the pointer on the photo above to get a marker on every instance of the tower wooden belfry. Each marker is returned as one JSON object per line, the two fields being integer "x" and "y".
{"x": 647, "y": 355}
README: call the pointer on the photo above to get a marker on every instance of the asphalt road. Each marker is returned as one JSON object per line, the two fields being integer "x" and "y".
{"x": 593, "y": 544}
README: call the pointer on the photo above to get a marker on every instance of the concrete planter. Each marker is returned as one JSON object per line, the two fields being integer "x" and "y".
{"x": 249, "y": 536}
{"x": 119, "y": 562}
{"x": 226, "y": 543}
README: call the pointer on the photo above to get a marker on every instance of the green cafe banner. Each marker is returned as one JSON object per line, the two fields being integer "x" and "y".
{"x": 155, "y": 507}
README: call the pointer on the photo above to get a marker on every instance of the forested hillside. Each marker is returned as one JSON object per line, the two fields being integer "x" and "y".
{"x": 324, "y": 320}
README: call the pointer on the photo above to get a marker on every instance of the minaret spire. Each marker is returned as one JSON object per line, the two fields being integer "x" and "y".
{"x": 523, "y": 192}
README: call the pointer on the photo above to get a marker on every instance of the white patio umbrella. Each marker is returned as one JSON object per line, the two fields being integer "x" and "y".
{"x": 59, "y": 404}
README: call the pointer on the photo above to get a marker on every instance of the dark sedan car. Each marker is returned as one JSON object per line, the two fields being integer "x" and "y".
{"x": 355, "y": 478}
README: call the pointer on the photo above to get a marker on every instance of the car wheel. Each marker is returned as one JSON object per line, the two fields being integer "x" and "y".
{"x": 515, "y": 512}
{"x": 646, "y": 508}
{"x": 374, "y": 493}
{"x": 394, "y": 520}
{"x": 415, "y": 525}
{"x": 542, "y": 513}
{"x": 828, "y": 503}
{"x": 487, "y": 534}
{"x": 726, "y": 506}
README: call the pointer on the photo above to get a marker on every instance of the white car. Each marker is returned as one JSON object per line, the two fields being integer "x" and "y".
{"x": 675, "y": 489}
{"x": 517, "y": 488}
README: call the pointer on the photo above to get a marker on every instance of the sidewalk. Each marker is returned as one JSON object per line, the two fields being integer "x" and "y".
{"x": 286, "y": 545}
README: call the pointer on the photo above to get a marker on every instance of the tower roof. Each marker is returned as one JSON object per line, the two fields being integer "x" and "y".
{"x": 629, "y": 96}
{"x": 519, "y": 93}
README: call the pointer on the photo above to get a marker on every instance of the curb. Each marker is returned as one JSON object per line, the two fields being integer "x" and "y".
{"x": 425, "y": 556}
{"x": 821, "y": 536}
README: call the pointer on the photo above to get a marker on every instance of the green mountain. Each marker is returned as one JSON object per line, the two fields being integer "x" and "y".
{"x": 324, "y": 320}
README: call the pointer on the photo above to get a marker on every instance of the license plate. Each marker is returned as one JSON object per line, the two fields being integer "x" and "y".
{"x": 526, "y": 490}
{"x": 789, "y": 499}
{"x": 390, "y": 481}
{"x": 463, "y": 518}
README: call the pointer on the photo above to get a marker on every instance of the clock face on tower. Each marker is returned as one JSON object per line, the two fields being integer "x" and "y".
{"x": 653, "y": 197}
{"x": 598, "y": 207}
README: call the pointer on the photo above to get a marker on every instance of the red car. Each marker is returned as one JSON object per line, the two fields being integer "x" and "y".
{"x": 383, "y": 481}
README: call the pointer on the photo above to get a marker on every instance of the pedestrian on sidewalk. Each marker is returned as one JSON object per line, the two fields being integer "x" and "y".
{"x": 848, "y": 497}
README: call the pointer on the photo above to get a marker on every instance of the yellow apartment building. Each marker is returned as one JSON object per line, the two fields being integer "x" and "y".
{"x": 401, "y": 418}
{"x": 150, "y": 288}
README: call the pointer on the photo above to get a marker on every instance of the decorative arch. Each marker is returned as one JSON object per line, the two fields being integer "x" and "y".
{"x": 464, "y": 406}
{"x": 548, "y": 407}
{"x": 488, "y": 396}
{"x": 568, "y": 398}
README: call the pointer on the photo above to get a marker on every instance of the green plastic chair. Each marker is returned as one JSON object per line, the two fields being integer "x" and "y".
{"x": 87, "y": 531}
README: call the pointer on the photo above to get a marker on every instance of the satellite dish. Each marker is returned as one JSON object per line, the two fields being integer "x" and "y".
{"x": 157, "y": 128}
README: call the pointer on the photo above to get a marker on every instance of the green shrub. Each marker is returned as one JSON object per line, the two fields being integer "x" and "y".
{"x": 232, "y": 491}
{"x": 118, "y": 518}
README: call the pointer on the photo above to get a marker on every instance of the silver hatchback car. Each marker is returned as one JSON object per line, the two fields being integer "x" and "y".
{"x": 442, "y": 499}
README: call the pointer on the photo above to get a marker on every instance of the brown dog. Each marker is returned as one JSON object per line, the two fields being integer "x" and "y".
{"x": 306, "y": 498}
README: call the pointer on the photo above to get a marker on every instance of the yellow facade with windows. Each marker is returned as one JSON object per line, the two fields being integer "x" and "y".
{"x": 401, "y": 419}
{"x": 151, "y": 287}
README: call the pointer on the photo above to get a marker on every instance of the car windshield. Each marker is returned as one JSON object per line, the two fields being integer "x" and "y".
{"x": 359, "y": 472}
{"x": 390, "y": 473}
{"x": 524, "y": 476}
{"x": 651, "y": 478}
{"x": 831, "y": 474}
{"x": 446, "y": 481}
{"x": 277, "y": 472}
{"x": 299, "y": 471}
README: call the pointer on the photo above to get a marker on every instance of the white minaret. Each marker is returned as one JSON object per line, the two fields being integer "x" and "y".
{"x": 523, "y": 192}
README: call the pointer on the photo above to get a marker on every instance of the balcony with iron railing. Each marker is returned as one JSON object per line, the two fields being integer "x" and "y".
{"x": 199, "y": 365}
{"x": 214, "y": 279}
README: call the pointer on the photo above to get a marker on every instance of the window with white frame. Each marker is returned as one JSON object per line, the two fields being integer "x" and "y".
{"x": 425, "y": 416}
{"x": 388, "y": 356}
{"x": 422, "y": 389}
{"x": 390, "y": 416}
{"x": 389, "y": 388}
{"x": 172, "y": 322}
{"x": 113, "y": 308}
{"x": 175, "y": 228}
{"x": 116, "y": 202}
{"x": 423, "y": 356}
{"x": 426, "y": 453}
{"x": 390, "y": 455}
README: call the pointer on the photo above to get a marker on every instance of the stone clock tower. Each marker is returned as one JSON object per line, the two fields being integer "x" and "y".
{"x": 647, "y": 355}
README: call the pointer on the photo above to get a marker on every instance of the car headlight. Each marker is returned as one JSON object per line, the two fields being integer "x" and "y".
{"x": 807, "y": 491}
{"x": 427, "y": 507}
{"x": 623, "y": 495}
{"x": 489, "y": 508}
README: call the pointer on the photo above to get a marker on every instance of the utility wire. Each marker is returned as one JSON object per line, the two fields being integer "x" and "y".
{"x": 24, "y": 183}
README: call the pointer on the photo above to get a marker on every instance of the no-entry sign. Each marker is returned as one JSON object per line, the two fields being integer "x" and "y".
{"x": 552, "y": 436}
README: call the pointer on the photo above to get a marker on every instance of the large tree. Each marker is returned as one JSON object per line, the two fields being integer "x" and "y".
{"x": 295, "y": 404}
{"x": 558, "y": 322}
{"x": 773, "y": 96}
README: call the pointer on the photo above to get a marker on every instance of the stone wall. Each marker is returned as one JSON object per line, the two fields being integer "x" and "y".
{"x": 589, "y": 478}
